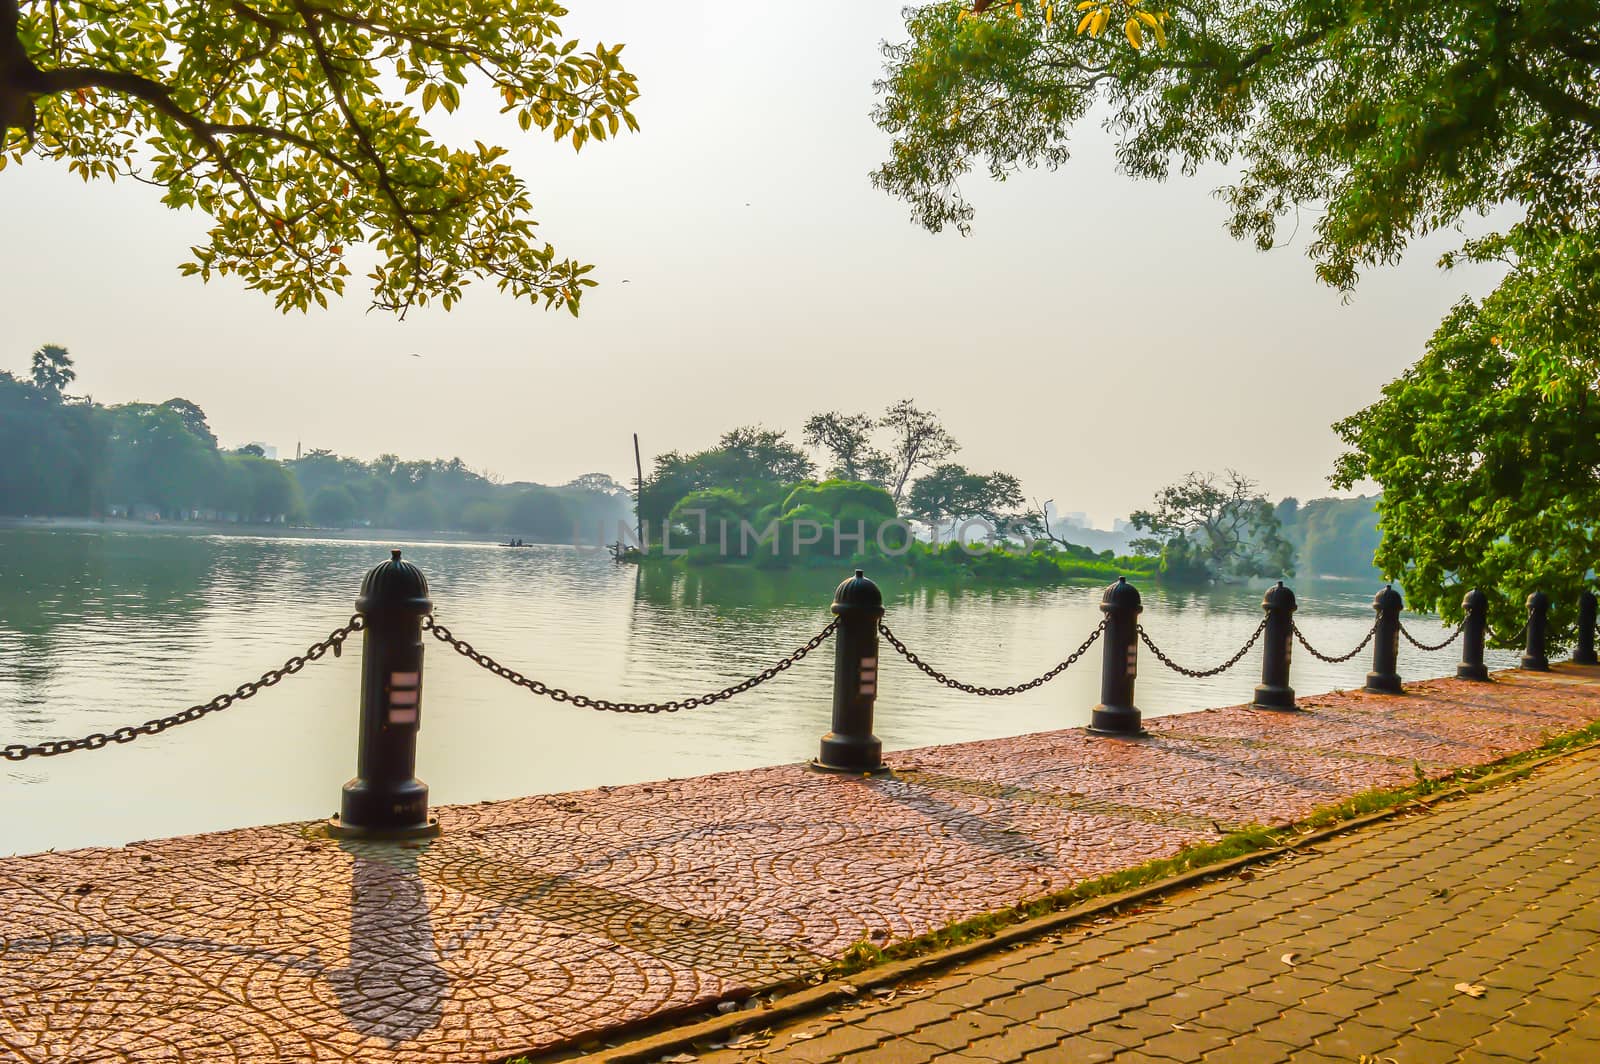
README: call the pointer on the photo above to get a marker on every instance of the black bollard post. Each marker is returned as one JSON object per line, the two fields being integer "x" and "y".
{"x": 1277, "y": 644}
{"x": 386, "y": 800}
{"x": 1383, "y": 679}
{"x": 1584, "y": 654}
{"x": 851, "y": 746}
{"x": 1533, "y": 657}
{"x": 1119, "y": 662}
{"x": 1475, "y": 606}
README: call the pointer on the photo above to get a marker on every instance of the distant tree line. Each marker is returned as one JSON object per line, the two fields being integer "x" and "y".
{"x": 68, "y": 456}
{"x": 443, "y": 494}
{"x": 1333, "y": 537}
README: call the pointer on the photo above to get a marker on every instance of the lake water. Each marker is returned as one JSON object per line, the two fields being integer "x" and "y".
{"x": 109, "y": 627}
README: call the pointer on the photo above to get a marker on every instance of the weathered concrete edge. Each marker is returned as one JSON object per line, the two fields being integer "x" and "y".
{"x": 660, "y": 1042}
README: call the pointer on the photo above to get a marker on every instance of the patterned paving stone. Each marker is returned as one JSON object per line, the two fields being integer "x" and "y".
{"x": 1535, "y": 994}
{"x": 535, "y": 922}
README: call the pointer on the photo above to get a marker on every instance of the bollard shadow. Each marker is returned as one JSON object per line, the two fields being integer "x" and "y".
{"x": 1256, "y": 769}
{"x": 394, "y": 985}
{"x": 1000, "y": 838}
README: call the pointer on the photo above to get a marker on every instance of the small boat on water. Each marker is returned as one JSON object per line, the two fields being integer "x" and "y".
{"x": 516, "y": 543}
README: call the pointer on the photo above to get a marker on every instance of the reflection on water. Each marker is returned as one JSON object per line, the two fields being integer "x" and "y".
{"x": 103, "y": 628}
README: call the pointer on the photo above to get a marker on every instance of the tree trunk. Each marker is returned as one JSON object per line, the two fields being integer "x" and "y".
{"x": 17, "y": 75}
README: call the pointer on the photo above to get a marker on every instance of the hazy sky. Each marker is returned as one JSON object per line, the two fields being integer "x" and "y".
{"x": 1095, "y": 336}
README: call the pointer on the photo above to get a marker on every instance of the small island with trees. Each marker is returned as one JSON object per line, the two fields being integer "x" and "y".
{"x": 890, "y": 497}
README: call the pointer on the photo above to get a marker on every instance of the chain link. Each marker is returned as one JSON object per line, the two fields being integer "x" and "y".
{"x": 128, "y": 733}
{"x": 466, "y": 650}
{"x": 1320, "y": 656}
{"x": 1427, "y": 646}
{"x": 973, "y": 689}
{"x": 1144, "y": 637}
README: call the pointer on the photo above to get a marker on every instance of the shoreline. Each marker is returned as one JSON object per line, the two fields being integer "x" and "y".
{"x": 922, "y": 573}
{"x": 538, "y": 923}
{"x": 224, "y": 528}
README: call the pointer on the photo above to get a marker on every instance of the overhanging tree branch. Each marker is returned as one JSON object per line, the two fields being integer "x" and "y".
{"x": 380, "y": 167}
{"x": 267, "y": 118}
{"x": 1553, "y": 100}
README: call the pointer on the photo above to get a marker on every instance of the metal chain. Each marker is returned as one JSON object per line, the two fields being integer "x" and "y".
{"x": 1426, "y": 646}
{"x": 973, "y": 689}
{"x": 1515, "y": 642}
{"x": 1320, "y": 656}
{"x": 127, "y": 734}
{"x": 466, "y": 650}
{"x": 1144, "y": 637}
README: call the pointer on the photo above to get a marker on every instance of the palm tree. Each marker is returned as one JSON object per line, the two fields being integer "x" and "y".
{"x": 52, "y": 370}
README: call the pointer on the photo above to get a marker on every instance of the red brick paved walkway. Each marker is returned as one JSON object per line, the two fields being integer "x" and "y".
{"x": 1466, "y": 933}
{"x": 535, "y": 921}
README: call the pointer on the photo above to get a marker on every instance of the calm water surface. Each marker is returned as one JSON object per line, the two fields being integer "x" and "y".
{"x": 104, "y": 628}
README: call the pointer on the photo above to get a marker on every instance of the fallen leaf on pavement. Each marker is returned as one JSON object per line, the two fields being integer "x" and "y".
{"x": 1288, "y": 958}
{"x": 1470, "y": 989}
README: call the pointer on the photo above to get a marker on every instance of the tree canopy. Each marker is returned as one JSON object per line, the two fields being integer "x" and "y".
{"x": 952, "y": 492}
{"x": 1214, "y": 528}
{"x": 848, "y": 439}
{"x": 298, "y": 127}
{"x": 916, "y": 441}
{"x": 1488, "y": 448}
{"x": 749, "y": 460}
{"x": 52, "y": 370}
{"x": 1383, "y": 120}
